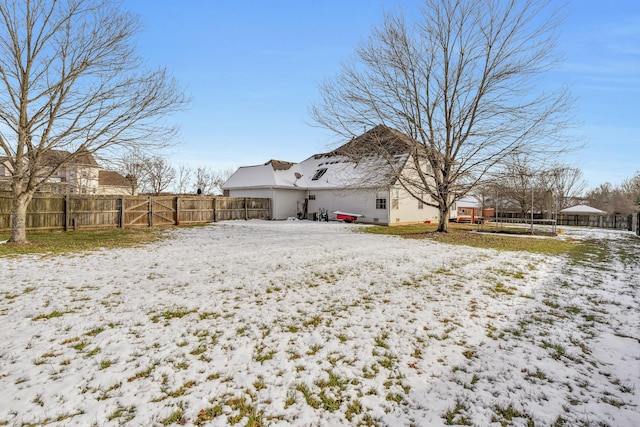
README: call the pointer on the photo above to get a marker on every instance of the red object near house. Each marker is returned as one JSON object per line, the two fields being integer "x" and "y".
{"x": 346, "y": 217}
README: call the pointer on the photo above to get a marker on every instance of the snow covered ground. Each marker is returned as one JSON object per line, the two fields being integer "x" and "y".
{"x": 312, "y": 324}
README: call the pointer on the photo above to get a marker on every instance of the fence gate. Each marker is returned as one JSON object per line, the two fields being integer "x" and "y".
{"x": 163, "y": 210}
{"x": 135, "y": 212}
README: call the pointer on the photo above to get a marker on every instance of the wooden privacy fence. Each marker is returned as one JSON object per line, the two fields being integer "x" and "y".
{"x": 71, "y": 212}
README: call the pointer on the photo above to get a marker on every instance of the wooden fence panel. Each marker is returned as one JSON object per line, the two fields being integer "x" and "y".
{"x": 258, "y": 208}
{"x": 92, "y": 212}
{"x": 69, "y": 212}
{"x": 196, "y": 209}
{"x": 5, "y": 211}
{"x": 46, "y": 212}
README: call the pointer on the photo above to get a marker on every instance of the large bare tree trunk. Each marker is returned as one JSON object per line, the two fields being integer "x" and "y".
{"x": 19, "y": 217}
{"x": 443, "y": 220}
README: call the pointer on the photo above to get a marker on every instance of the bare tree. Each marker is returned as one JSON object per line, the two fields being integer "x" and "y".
{"x": 132, "y": 165}
{"x": 528, "y": 184}
{"x": 566, "y": 183}
{"x": 183, "y": 181}
{"x": 631, "y": 187}
{"x": 71, "y": 82}
{"x": 519, "y": 184}
{"x": 160, "y": 175}
{"x": 463, "y": 83}
{"x": 210, "y": 182}
{"x": 613, "y": 200}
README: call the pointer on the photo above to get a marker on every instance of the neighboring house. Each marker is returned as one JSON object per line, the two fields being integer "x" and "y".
{"x": 112, "y": 183}
{"x": 470, "y": 209}
{"x": 78, "y": 176}
{"x": 5, "y": 175}
{"x": 81, "y": 175}
{"x": 338, "y": 181}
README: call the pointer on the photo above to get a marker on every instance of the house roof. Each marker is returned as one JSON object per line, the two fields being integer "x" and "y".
{"x": 112, "y": 178}
{"x": 582, "y": 210}
{"x": 279, "y": 165}
{"x": 55, "y": 157}
{"x": 469, "y": 202}
{"x": 363, "y": 162}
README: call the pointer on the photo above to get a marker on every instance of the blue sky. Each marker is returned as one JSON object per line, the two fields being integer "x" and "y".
{"x": 253, "y": 69}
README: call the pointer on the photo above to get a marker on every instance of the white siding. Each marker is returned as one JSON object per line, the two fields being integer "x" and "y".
{"x": 357, "y": 201}
{"x": 408, "y": 209}
{"x": 288, "y": 203}
{"x": 284, "y": 202}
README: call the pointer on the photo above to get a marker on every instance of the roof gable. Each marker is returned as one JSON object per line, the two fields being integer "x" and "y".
{"x": 367, "y": 161}
{"x": 112, "y": 178}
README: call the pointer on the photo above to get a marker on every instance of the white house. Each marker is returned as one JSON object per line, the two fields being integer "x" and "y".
{"x": 80, "y": 175}
{"x": 349, "y": 179}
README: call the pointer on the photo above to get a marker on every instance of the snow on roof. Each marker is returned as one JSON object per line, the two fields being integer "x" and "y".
{"x": 263, "y": 176}
{"x": 350, "y": 165}
{"x": 582, "y": 210}
{"x": 469, "y": 202}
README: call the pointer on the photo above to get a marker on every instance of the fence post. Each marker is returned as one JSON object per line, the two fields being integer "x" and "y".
{"x": 177, "y": 218}
{"x": 215, "y": 206}
{"x": 246, "y": 217}
{"x": 150, "y": 211}
{"x": 120, "y": 212}
{"x": 65, "y": 213}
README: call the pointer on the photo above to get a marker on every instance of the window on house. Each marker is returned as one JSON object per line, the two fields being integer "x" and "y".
{"x": 312, "y": 196}
{"x": 395, "y": 197}
{"x": 420, "y": 201}
{"x": 381, "y": 203}
{"x": 319, "y": 174}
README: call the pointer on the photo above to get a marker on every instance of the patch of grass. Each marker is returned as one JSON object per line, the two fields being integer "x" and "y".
{"x": 93, "y": 352}
{"x": 125, "y": 413}
{"x": 51, "y": 315}
{"x": 175, "y": 417}
{"x": 145, "y": 372}
{"x": 95, "y": 331}
{"x": 311, "y": 401}
{"x": 314, "y": 322}
{"x": 262, "y": 356}
{"x": 176, "y": 313}
{"x": 457, "y": 415}
{"x": 182, "y": 390}
{"x": 353, "y": 408}
{"x": 56, "y": 243}
{"x": 105, "y": 363}
{"x": 244, "y": 409}
{"x": 207, "y": 414}
{"x": 505, "y": 415}
{"x": 465, "y": 235}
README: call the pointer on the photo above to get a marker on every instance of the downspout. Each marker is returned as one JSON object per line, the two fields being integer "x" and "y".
{"x": 273, "y": 203}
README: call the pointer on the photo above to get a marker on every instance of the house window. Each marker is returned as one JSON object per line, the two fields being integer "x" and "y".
{"x": 312, "y": 196}
{"x": 381, "y": 203}
{"x": 319, "y": 174}
{"x": 395, "y": 197}
{"x": 420, "y": 202}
